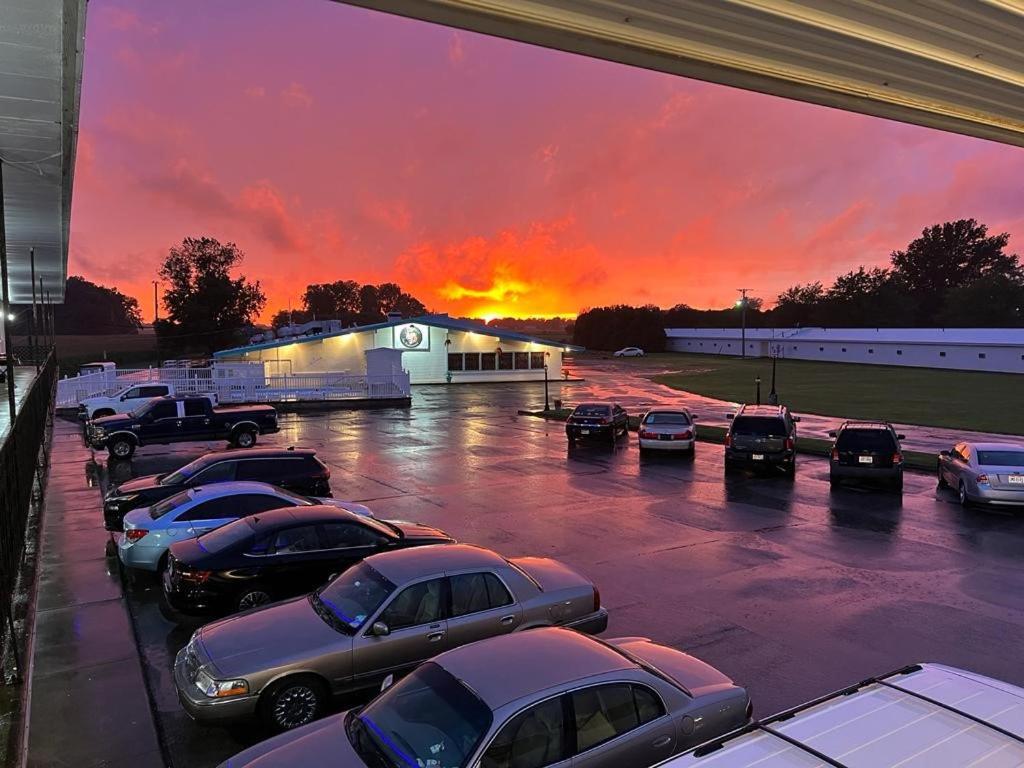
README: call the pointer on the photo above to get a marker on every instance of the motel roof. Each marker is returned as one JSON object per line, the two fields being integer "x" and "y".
{"x": 437, "y": 321}
{"x": 971, "y": 336}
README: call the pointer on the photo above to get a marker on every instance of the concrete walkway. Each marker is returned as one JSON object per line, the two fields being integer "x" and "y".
{"x": 87, "y": 701}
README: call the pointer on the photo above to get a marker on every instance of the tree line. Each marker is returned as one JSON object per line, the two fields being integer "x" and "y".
{"x": 351, "y": 303}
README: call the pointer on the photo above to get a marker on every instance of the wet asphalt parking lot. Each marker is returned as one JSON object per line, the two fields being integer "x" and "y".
{"x": 790, "y": 588}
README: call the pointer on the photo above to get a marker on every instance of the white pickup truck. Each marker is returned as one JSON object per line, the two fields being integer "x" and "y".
{"x": 125, "y": 401}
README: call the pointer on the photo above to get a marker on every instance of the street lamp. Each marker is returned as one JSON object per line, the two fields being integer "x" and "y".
{"x": 546, "y": 406}
{"x": 742, "y": 306}
{"x": 758, "y": 381}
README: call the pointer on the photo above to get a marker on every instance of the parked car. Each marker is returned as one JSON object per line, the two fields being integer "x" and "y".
{"x": 180, "y": 419}
{"x": 984, "y": 473}
{"x": 865, "y": 450}
{"x": 761, "y": 436}
{"x": 924, "y": 715}
{"x": 125, "y": 401}
{"x": 384, "y": 616}
{"x": 629, "y": 352}
{"x": 596, "y": 421}
{"x": 667, "y": 429}
{"x": 279, "y": 554}
{"x": 294, "y": 469}
{"x": 150, "y": 531}
{"x": 550, "y": 698}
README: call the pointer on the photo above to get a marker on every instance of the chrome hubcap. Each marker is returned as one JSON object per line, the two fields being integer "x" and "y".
{"x": 245, "y": 439}
{"x": 252, "y": 599}
{"x": 121, "y": 449}
{"x": 295, "y": 706}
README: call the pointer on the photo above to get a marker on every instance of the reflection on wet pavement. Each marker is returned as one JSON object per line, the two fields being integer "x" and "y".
{"x": 791, "y": 588}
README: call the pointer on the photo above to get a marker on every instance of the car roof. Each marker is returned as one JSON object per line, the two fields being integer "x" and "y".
{"x": 506, "y": 668}
{"x": 865, "y": 425}
{"x": 996, "y": 446}
{"x": 402, "y": 565}
{"x": 233, "y": 487}
{"x": 927, "y": 714}
{"x": 314, "y": 513}
{"x": 249, "y": 453}
{"x": 594, "y": 405}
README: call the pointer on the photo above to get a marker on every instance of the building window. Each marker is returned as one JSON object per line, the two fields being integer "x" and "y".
{"x": 794, "y": 347}
{"x": 488, "y": 361}
{"x": 899, "y": 351}
{"x": 844, "y": 349}
{"x": 454, "y": 361}
{"x": 536, "y": 359}
{"x": 821, "y": 349}
{"x": 702, "y": 343}
{"x": 505, "y": 360}
{"x": 871, "y": 351}
{"x": 522, "y": 360}
{"x": 728, "y": 345}
{"x": 981, "y": 355}
{"x": 942, "y": 354}
{"x": 472, "y": 361}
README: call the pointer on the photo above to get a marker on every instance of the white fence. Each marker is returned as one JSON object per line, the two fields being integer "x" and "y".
{"x": 237, "y": 383}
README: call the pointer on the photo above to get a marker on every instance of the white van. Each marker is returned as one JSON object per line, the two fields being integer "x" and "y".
{"x": 924, "y": 716}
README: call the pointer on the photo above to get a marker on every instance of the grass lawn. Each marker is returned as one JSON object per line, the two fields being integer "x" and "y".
{"x": 988, "y": 402}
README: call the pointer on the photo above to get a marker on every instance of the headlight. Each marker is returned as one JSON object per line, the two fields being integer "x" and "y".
{"x": 123, "y": 499}
{"x": 219, "y": 689}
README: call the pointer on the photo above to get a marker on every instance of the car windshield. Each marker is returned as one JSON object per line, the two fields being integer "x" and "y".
{"x": 865, "y": 440}
{"x": 592, "y": 410}
{"x": 427, "y": 719}
{"x": 1001, "y": 458}
{"x": 761, "y": 426}
{"x": 350, "y": 599}
{"x": 665, "y": 417}
{"x": 161, "y": 508}
{"x": 227, "y": 536}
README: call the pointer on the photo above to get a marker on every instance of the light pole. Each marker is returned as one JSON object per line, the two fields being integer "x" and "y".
{"x": 546, "y": 406}
{"x": 156, "y": 305}
{"x": 773, "y": 396}
{"x": 742, "y": 304}
{"x": 758, "y": 381}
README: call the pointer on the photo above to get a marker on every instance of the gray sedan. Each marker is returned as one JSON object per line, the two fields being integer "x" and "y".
{"x": 549, "y": 698}
{"x": 988, "y": 473}
{"x": 382, "y": 617}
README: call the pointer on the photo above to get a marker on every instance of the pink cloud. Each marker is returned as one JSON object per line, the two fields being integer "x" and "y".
{"x": 296, "y": 95}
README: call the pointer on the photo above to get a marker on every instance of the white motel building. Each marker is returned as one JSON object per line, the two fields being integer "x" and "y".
{"x": 434, "y": 349}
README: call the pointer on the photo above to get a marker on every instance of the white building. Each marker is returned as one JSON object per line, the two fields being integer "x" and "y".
{"x": 436, "y": 349}
{"x": 968, "y": 349}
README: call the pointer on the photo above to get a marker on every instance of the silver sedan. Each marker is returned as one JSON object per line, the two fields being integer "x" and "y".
{"x": 987, "y": 473}
{"x": 549, "y": 697}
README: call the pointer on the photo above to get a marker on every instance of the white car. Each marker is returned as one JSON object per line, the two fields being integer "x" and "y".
{"x": 125, "y": 401}
{"x": 923, "y": 715}
{"x": 629, "y": 352}
{"x": 667, "y": 429}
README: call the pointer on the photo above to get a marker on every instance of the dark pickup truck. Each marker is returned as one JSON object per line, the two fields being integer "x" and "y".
{"x": 180, "y": 419}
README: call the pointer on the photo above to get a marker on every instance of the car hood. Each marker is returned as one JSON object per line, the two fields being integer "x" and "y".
{"x": 351, "y": 506}
{"x": 113, "y": 422}
{"x": 691, "y": 673}
{"x": 322, "y": 744}
{"x": 277, "y": 634}
{"x": 137, "y": 484}
{"x": 420, "y": 532}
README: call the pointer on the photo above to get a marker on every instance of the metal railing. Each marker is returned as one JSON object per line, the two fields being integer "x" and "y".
{"x": 20, "y": 462}
{"x": 237, "y": 384}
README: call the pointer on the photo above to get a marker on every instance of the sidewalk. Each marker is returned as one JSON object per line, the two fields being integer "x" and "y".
{"x": 87, "y": 703}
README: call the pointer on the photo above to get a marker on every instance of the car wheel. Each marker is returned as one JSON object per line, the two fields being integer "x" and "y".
{"x": 962, "y": 491}
{"x": 253, "y": 598}
{"x": 897, "y": 484}
{"x": 246, "y": 439}
{"x": 293, "y": 702}
{"x": 791, "y": 468}
{"x": 121, "y": 449}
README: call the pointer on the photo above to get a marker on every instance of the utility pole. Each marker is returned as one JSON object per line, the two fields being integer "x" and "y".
{"x": 33, "y": 323}
{"x": 742, "y": 304}
{"x": 8, "y": 347}
{"x": 156, "y": 305}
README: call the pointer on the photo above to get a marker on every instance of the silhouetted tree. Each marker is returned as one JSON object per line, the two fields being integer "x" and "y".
{"x": 90, "y": 308}
{"x": 620, "y": 326}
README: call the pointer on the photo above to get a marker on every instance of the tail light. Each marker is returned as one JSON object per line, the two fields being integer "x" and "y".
{"x": 789, "y": 444}
{"x": 835, "y": 454}
{"x": 897, "y": 458}
{"x": 323, "y": 474}
{"x": 135, "y": 534}
{"x": 196, "y": 577}
{"x": 597, "y": 599}
{"x": 570, "y": 420}
{"x": 687, "y": 435}
{"x": 604, "y": 421}
{"x": 645, "y": 434}
{"x": 982, "y": 479}
{"x": 728, "y": 440}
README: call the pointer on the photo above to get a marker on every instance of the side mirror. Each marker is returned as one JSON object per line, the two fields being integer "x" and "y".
{"x": 730, "y": 416}
{"x": 832, "y": 433}
{"x": 944, "y": 454}
{"x": 387, "y": 682}
{"x": 123, "y": 398}
{"x": 796, "y": 419}
{"x": 694, "y": 417}
{"x": 380, "y": 629}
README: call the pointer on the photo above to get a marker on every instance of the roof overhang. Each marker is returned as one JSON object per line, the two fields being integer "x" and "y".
{"x": 954, "y": 66}
{"x": 41, "y": 49}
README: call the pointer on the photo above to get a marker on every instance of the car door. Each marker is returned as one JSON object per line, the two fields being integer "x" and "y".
{"x": 620, "y": 724}
{"x": 292, "y": 565}
{"x": 345, "y": 544}
{"x": 481, "y": 606}
{"x": 417, "y": 630}
{"x": 195, "y": 423}
{"x": 537, "y": 737}
{"x": 208, "y": 515}
{"x": 160, "y": 423}
{"x": 221, "y": 472}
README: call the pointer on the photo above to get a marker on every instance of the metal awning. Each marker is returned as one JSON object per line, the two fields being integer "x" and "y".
{"x": 955, "y": 65}
{"x": 41, "y": 47}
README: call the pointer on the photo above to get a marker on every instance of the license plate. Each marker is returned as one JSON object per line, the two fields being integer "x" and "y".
{"x": 865, "y": 460}
{"x": 757, "y": 456}
{"x": 664, "y": 437}
{"x": 584, "y": 431}
{"x": 1015, "y": 479}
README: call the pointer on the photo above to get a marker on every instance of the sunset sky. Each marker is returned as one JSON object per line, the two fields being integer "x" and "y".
{"x": 486, "y": 177}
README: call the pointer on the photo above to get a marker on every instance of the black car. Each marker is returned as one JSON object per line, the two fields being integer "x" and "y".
{"x": 865, "y": 450}
{"x": 762, "y": 436}
{"x": 295, "y": 469}
{"x": 596, "y": 421}
{"x": 175, "y": 419}
{"x": 278, "y": 554}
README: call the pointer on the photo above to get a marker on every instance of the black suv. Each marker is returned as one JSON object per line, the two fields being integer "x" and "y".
{"x": 760, "y": 436}
{"x": 296, "y": 469}
{"x": 866, "y": 450}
